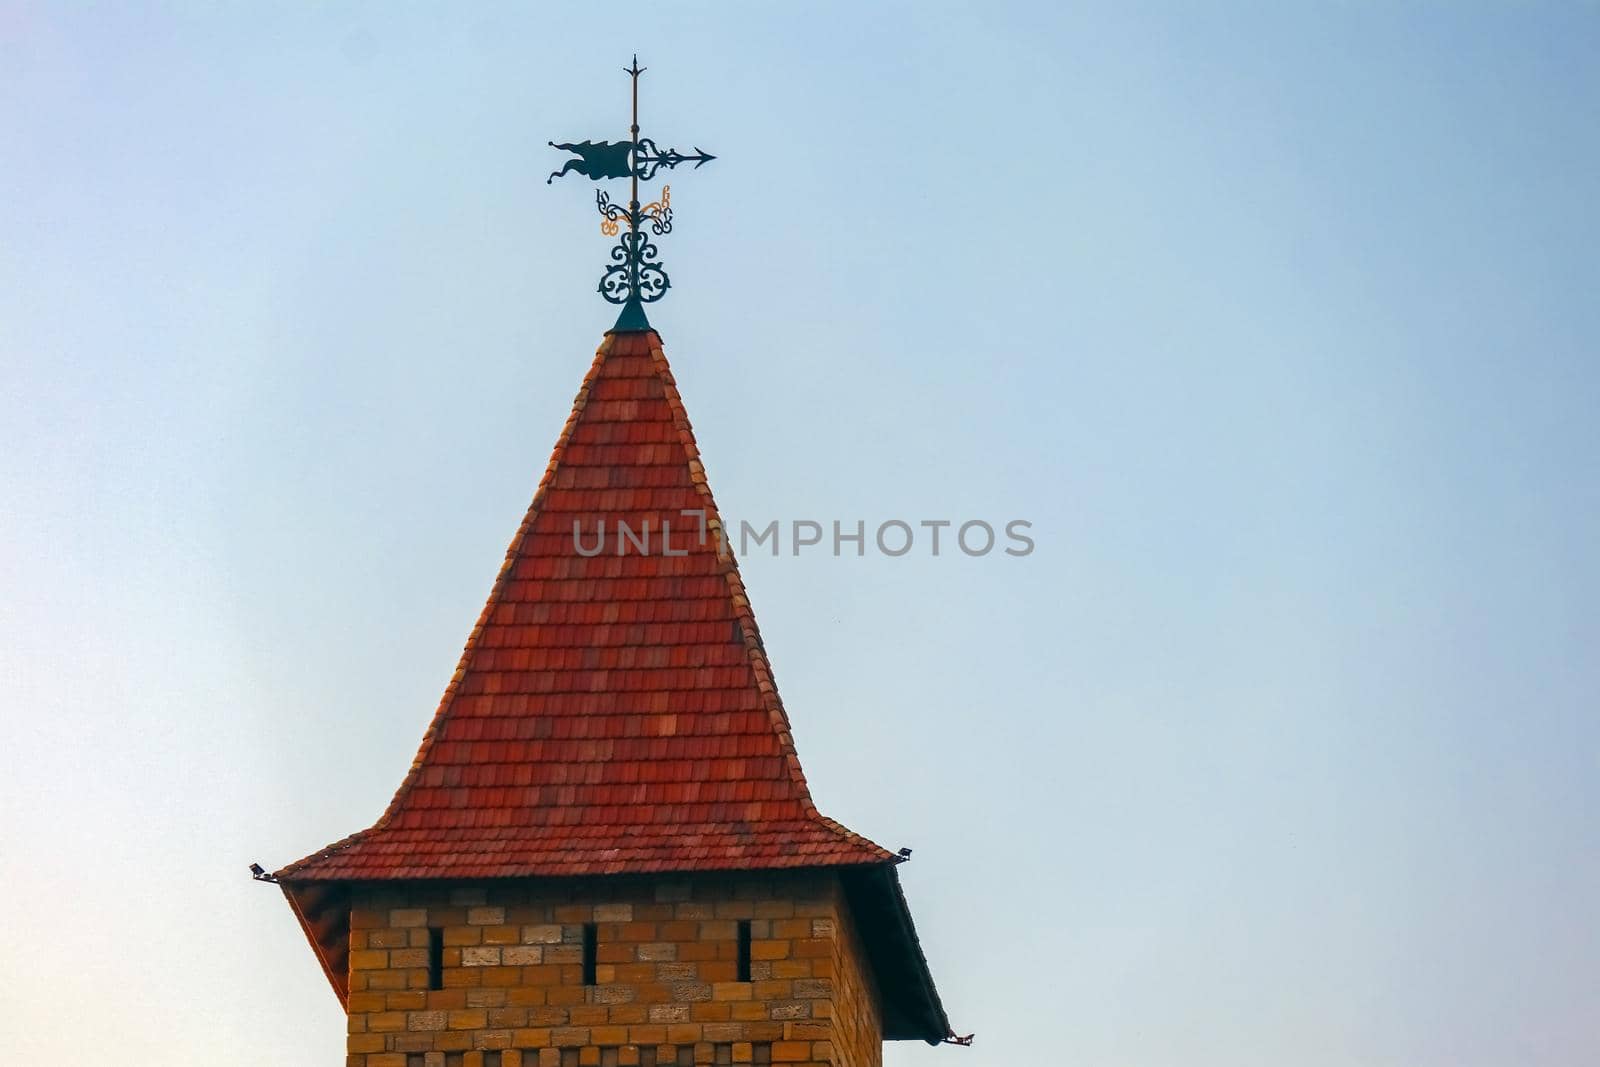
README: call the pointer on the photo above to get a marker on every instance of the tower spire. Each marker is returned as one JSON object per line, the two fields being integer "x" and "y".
{"x": 609, "y": 765}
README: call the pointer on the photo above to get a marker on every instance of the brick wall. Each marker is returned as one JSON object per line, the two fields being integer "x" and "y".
{"x": 666, "y": 988}
{"x": 857, "y": 1028}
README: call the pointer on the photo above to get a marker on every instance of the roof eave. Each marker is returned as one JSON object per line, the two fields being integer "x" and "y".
{"x": 912, "y": 1009}
{"x": 322, "y": 909}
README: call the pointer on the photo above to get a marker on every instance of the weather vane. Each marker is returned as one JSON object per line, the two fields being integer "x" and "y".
{"x": 635, "y": 277}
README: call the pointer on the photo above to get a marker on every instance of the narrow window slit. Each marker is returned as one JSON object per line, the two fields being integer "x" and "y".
{"x": 591, "y": 952}
{"x": 744, "y": 950}
{"x": 435, "y": 958}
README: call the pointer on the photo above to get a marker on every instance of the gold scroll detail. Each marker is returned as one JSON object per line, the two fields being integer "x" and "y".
{"x": 611, "y": 227}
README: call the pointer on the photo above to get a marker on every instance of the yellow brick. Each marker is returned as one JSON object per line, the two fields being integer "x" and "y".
{"x": 387, "y": 980}
{"x": 447, "y": 998}
{"x": 568, "y": 994}
{"x": 501, "y": 977}
{"x": 769, "y": 950}
{"x": 487, "y": 998}
{"x": 774, "y": 909}
{"x": 568, "y": 1036}
{"x": 789, "y": 929}
{"x": 811, "y": 947}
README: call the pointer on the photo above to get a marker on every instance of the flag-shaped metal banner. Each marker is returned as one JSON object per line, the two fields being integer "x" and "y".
{"x": 635, "y": 277}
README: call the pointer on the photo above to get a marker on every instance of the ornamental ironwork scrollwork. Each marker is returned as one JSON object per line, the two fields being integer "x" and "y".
{"x": 635, "y": 271}
{"x": 613, "y": 216}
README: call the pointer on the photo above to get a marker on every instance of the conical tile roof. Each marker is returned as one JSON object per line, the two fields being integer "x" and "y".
{"x": 613, "y": 711}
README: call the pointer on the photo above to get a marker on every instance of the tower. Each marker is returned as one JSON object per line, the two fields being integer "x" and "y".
{"x": 605, "y": 852}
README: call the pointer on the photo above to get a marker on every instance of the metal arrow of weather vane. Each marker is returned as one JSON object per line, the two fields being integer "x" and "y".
{"x": 635, "y": 277}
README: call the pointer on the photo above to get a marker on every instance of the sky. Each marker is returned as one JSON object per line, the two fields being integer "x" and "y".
{"x": 1276, "y": 321}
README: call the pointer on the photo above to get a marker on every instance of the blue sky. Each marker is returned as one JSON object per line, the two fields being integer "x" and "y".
{"x": 1276, "y": 321}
